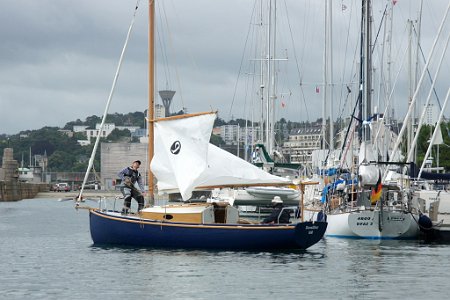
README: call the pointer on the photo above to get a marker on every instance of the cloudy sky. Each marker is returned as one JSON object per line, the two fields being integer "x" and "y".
{"x": 58, "y": 57}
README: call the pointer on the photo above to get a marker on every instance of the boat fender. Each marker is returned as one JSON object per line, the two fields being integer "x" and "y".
{"x": 321, "y": 216}
{"x": 425, "y": 222}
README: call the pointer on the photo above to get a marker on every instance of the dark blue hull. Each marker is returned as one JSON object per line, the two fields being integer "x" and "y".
{"x": 108, "y": 228}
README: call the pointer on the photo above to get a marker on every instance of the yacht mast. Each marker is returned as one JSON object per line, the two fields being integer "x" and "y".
{"x": 330, "y": 70}
{"x": 268, "y": 79}
{"x": 411, "y": 87}
{"x": 151, "y": 92}
{"x": 367, "y": 64}
{"x": 261, "y": 86}
{"x": 325, "y": 81}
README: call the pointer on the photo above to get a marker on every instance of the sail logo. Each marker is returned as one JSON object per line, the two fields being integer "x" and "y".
{"x": 175, "y": 148}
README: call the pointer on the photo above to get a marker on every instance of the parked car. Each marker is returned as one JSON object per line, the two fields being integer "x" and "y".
{"x": 92, "y": 185}
{"x": 54, "y": 187}
{"x": 63, "y": 187}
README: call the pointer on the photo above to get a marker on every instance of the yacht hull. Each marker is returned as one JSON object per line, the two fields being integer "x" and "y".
{"x": 108, "y": 227}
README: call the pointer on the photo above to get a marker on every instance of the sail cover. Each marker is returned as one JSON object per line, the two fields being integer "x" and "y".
{"x": 368, "y": 172}
{"x": 198, "y": 163}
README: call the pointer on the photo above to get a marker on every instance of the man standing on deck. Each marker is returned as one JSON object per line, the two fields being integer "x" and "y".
{"x": 130, "y": 176}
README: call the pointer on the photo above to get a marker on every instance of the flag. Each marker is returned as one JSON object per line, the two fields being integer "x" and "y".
{"x": 283, "y": 104}
{"x": 376, "y": 191}
{"x": 317, "y": 89}
{"x": 394, "y": 2}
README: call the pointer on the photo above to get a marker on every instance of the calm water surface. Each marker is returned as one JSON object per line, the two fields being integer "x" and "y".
{"x": 46, "y": 253}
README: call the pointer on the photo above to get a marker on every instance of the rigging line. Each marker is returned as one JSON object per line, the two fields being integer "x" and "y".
{"x": 345, "y": 59}
{"x": 163, "y": 47}
{"x": 304, "y": 100}
{"x": 379, "y": 29}
{"x": 177, "y": 75}
{"x": 414, "y": 98}
{"x": 428, "y": 73}
{"x": 295, "y": 54}
{"x": 349, "y": 126}
{"x": 388, "y": 102}
{"x": 305, "y": 28}
{"x": 438, "y": 124}
{"x": 413, "y": 144}
{"x": 111, "y": 93}
{"x": 345, "y": 103}
{"x": 242, "y": 59}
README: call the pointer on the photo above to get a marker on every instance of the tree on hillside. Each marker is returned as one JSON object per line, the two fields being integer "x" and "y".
{"x": 216, "y": 140}
{"x": 119, "y": 135}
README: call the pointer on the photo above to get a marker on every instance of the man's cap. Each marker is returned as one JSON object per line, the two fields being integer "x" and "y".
{"x": 277, "y": 199}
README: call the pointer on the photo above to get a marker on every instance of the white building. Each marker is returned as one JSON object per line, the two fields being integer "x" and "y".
{"x": 160, "y": 111}
{"x": 107, "y": 129}
{"x": 131, "y": 129}
{"x": 231, "y": 133}
{"x": 301, "y": 144}
{"x": 431, "y": 114}
{"x": 79, "y": 128}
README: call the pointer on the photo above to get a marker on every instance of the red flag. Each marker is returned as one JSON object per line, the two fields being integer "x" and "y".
{"x": 283, "y": 104}
{"x": 317, "y": 89}
{"x": 394, "y": 2}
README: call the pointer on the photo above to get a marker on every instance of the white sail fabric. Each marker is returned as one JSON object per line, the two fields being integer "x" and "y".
{"x": 181, "y": 149}
{"x": 368, "y": 173}
{"x": 438, "y": 140}
{"x": 226, "y": 169}
{"x": 199, "y": 164}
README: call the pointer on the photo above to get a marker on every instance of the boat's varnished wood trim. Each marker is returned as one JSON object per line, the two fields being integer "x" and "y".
{"x": 185, "y": 116}
{"x": 200, "y": 226}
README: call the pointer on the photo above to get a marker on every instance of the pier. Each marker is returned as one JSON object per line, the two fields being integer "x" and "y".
{"x": 11, "y": 189}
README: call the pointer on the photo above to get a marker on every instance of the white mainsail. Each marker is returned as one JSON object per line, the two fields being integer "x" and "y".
{"x": 199, "y": 164}
{"x": 226, "y": 169}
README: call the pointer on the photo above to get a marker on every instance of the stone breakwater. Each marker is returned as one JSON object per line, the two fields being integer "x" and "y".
{"x": 11, "y": 188}
{"x": 16, "y": 190}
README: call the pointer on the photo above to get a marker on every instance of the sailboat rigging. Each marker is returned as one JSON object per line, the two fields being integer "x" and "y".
{"x": 362, "y": 205}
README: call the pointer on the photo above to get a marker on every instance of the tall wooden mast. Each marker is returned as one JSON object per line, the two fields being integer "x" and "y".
{"x": 151, "y": 93}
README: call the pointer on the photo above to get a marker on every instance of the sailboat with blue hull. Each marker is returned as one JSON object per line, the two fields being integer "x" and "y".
{"x": 183, "y": 160}
{"x": 113, "y": 229}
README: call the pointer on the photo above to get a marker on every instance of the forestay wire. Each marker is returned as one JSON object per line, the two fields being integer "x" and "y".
{"x": 111, "y": 93}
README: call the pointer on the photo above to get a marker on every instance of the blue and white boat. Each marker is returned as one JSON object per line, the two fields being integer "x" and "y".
{"x": 109, "y": 227}
{"x": 199, "y": 225}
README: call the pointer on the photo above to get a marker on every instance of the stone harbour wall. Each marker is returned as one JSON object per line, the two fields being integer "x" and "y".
{"x": 11, "y": 189}
{"x": 16, "y": 190}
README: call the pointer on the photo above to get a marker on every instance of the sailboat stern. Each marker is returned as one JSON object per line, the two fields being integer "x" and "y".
{"x": 309, "y": 233}
{"x": 383, "y": 225}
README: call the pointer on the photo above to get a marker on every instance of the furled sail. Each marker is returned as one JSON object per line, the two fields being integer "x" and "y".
{"x": 368, "y": 172}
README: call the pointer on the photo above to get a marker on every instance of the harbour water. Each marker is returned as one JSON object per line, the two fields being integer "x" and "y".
{"x": 46, "y": 253}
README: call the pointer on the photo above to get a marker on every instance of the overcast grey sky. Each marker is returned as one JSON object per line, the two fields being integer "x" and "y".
{"x": 58, "y": 57}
